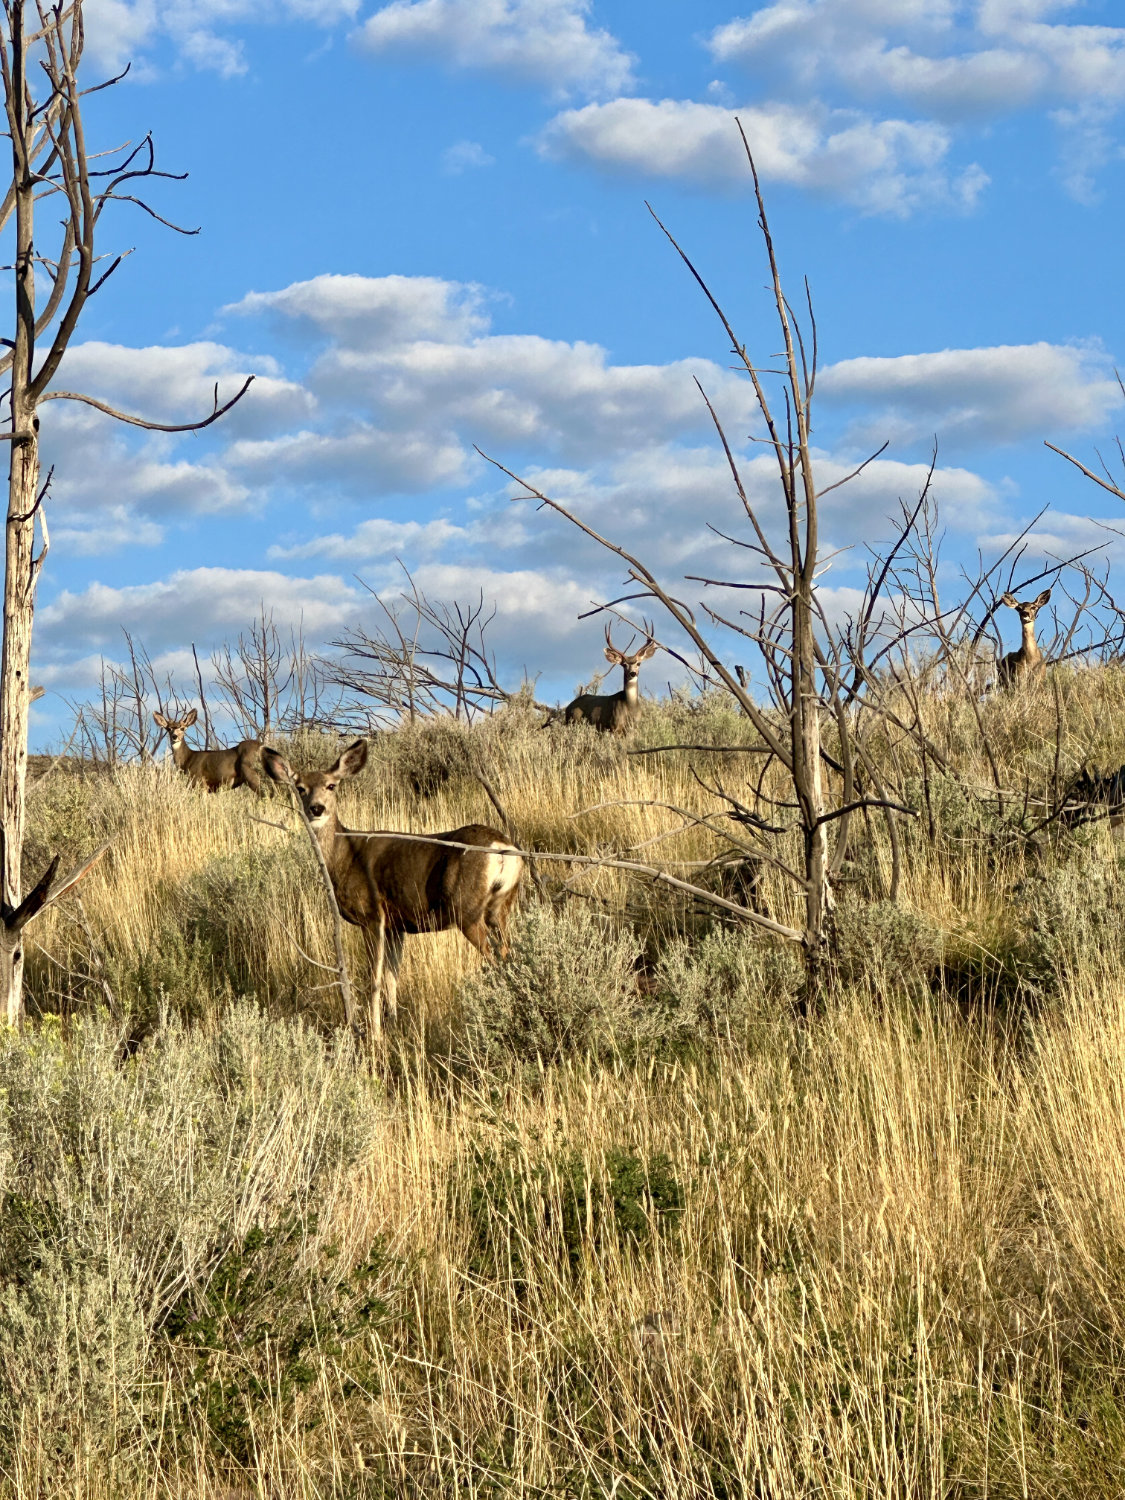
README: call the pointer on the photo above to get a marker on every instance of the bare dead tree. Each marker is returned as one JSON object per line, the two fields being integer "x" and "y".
{"x": 252, "y": 676}
{"x": 115, "y": 726}
{"x": 421, "y": 657}
{"x": 268, "y": 684}
{"x": 41, "y": 49}
{"x": 1106, "y": 479}
{"x": 800, "y": 658}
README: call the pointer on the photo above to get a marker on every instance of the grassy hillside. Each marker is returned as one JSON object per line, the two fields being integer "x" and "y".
{"x": 611, "y": 1218}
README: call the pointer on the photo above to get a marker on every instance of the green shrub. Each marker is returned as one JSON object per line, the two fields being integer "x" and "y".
{"x": 723, "y": 984}
{"x": 567, "y": 986}
{"x": 426, "y": 756}
{"x": 882, "y": 945}
{"x": 129, "y": 1183}
{"x": 59, "y": 819}
{"x": 220, "y": 910}
{"x": 174, "y": 975}
{"x": 1068, "y": 916}
{"x": 565, "y": 1204}
{"x": 257, "y": 1333}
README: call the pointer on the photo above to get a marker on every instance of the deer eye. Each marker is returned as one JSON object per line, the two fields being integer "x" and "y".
{"x": 329, "y": 786}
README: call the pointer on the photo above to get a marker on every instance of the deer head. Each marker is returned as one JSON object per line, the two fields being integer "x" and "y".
{"x": 1027, "y": 609}
{"x": 631, "y": 664}
{"x": 317, "y": 789}
{"x": 177, "y": 727}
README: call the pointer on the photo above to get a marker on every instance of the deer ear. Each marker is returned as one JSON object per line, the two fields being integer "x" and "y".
{"x": 162, "y": 721}
{"x": 1009, "y": 599}
{"x": 275, "y": 765}
{"x": 645, "y": 652}
{"x": 1043, "y": 597}
{"x": 613, "y": 656}
{"x": 352, "y": 761}
{"x": 191, "y": 718}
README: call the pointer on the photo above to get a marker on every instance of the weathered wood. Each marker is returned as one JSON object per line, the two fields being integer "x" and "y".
{"x": 19, "y": 568}
{"x": 48, "y": 143}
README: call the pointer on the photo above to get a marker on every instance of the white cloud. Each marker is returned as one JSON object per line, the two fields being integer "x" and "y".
{"x": 466, "y": 156}
{"x": 411, "y": 378}
{"x": 361, "y": 312}
{"x": 118, "y": 31}
{"x": 176, "y": 383}
{"x": 536, "y": 625}
{"x": 660, "y": 504}
{"x": 986, "y": 396}
{"x": 111, "y": 529}
{"x": 954, "y": 62}
{"x": 385, "y": 407}
{"x": 206, "y": 605}
{"x": 379, "y": 539}
{"x": 882, "y": 166}
{"x": 542, "y": 41}
{"x": 363, "y": 460}
{"x": 951, "y": 60}
{"x": 533, "y": 392}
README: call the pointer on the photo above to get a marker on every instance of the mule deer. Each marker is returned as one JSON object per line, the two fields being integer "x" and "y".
{"x": 390, "y": 885}
{"x": 1027, "y": 663}
{"x": 1091, "y": 797}
{"x": 214, "y": 768}
{"x": 613, "y": 713}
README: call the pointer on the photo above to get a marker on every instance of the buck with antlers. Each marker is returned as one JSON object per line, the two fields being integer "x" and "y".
{"x": 1026, "y": 664}
{"x": 391, "y": 884}
{"x": 613, "y": 713}
{"x": 238, "y": 766}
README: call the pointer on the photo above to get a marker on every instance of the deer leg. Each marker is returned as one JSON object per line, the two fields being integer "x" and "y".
{"x": 392, "y": 961}
{"x": 498, "y": 916}
{"x": 375, "y": 935}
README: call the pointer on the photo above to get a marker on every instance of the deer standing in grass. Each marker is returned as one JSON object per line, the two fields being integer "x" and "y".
{"x": 1026, "y": 664}
{"x": 613, "y": 713}
{"x": 238, "y": 766}
{"x": 390, "y": 885}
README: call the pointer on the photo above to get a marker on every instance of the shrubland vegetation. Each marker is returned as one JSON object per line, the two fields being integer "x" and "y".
{"x": 613, "y": 1217}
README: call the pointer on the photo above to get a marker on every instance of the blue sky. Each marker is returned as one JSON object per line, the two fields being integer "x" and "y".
{"x": 423, "y": 227}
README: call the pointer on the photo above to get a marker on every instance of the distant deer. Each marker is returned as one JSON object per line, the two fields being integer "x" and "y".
{"x": 214, "y": 768}
{"x": 1091, "y": 797}
{"x": 390, "y": 885}
{"x": 613, "y": 713}
{"x": 1027, "y": 663}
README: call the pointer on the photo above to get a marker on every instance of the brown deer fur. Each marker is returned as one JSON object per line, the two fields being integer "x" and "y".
{"x": 238, "y": 766}
{"x": 1027, "y": 663}
{"x": 391, "y": 885}
{"x": 613, "y": 713}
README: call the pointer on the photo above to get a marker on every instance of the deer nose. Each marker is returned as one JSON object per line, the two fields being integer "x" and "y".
{"x": 316, "y": 809}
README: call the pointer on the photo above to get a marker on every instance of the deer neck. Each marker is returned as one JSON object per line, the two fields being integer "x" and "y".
{"x": 1029, "y": 646}
{"x": 629, "y": 692}
{"x": 181, "y": 755}
{"x": 334, "y": 849}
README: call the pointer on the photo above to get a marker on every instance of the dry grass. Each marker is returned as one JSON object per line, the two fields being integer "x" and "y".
{"x": 879, "y": 1253}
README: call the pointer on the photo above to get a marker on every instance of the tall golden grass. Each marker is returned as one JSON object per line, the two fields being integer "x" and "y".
{"x": 879, "y": 1251}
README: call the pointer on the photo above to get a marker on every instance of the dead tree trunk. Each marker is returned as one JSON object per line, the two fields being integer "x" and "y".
{"x": 801, "y": 657}
{"x": 43, "y": 103}
{"x": 20, "y": 563}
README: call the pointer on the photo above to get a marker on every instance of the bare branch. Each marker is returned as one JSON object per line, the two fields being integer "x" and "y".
{"x": 133, "y": 421}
